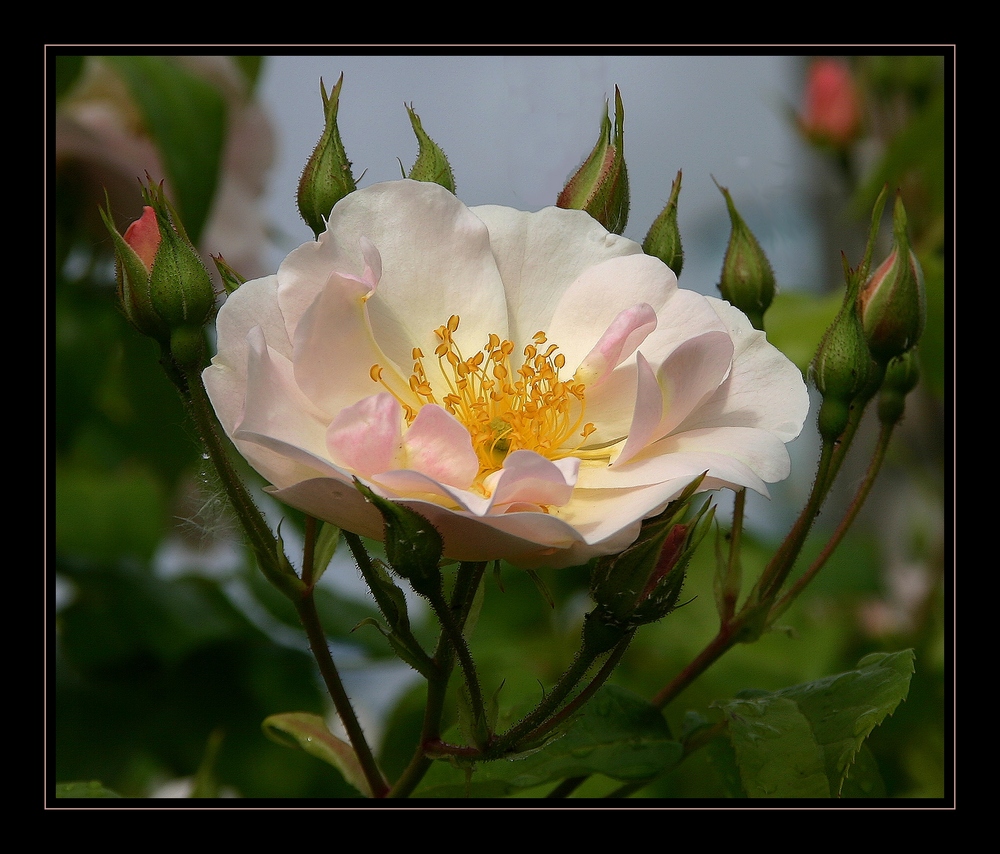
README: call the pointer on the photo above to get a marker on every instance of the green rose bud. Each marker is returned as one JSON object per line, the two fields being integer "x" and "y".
{"x": 901, "y": 376}
{"x": 600, "y": 185}
{"x": 747, "y": 280}
{"x": 431, "y": 163}
{"x": 663, "y": 240}
{"x": 841, "y": 370}
{"x": 892, "y": 302}
{"x": 327, "y": 176}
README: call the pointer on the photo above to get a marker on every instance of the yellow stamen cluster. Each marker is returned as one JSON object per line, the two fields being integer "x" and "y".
{"x": 503, "y": 409}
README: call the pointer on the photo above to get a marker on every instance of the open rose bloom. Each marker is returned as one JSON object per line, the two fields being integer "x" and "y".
{"x": 530, "y": 383}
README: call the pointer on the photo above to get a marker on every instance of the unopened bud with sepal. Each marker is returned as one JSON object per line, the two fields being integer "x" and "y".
{"x": 893, "y": 302}
{"x": 431, "y": 164}
{"x": 747, "y": 280}
{"x": 600, "y": 185}
{"x": 663, "y": 240}
{"x": 163, "y": 286}
{"x": 643, "y": 583}
{"x": 327, "y": 176}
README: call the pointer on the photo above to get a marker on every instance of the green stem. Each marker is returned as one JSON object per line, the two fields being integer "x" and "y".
{"x": 453, "y": 631}
{"x": 733, "y": 579}
{"x": 278, "y": 570}
{"x": 726, "y": 637}
{"x": 533, "y": 720}
{"x": 255, "y": 528}
{"x": 588, "y": 691}
{"x": 463, "y": 595}
{"x": 852, "y": 511}
{"x": 309, "y": 617}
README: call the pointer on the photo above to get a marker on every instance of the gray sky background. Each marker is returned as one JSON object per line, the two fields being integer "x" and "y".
{"x": 515, "y": 127}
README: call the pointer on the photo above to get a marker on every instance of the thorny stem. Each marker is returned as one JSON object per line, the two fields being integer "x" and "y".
{"x": 265, "y": 546}
{"x": 859, "y": 499}
{"x": 466, "y": 584}
{"x": 534, "y": 719}
{"x": 306, "y": 608}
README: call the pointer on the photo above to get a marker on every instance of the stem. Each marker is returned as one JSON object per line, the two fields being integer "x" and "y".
{"x": 255, "y": 528}
{"x": 264, "y": 545}
{"x": 781, "y": 564}
{"x": 734, "y": 574}
{"x": 466, "y": 584}
{"x": 453, "y": 631}
{"x": 852, "y": 511}
{"x": 529, "y": 724}
{"x": 726, "y": 637}
{"x": 309, "y": 552}
{"x": 599, "y": 679}
{"x": 306, "y": 608}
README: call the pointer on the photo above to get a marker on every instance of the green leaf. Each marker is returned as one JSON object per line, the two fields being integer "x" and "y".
{"x": 775, "y": 750}
{"x": 92, "y": 789}
{"x": 616, "y": 734}
{"x": 186, "y": 117}
{"x": 326, "y": 547}
{"x": 803, "y": 741}
{"x": 309, "y": 733}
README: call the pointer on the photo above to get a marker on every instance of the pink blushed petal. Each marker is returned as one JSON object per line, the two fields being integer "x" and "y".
{"x": 367, "y": 437}
{"x": 529, "y": 478}
{"x": 691, "y": 374}
{"x": 437, "y": 445}
{"x": 619, "y": 341}
{"x": 648, "y": 412}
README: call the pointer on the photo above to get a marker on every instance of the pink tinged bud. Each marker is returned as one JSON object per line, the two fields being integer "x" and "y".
{"x": 600, "y": 186}
{"x": 832, "y": 112}
{"x": 143, "y": 236}
{"x": 892, "y": 302}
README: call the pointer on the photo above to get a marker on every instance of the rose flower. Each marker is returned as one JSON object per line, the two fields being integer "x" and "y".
{"x": 532, "y": 384}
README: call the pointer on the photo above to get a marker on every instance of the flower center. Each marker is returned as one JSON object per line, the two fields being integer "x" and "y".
{"x": 504, "y": 410}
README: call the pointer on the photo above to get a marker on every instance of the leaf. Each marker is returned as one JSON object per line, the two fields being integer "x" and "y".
{"x": 92, "y": 789}
{"x": 775, "y": 750}
{"x": 186, "y": 117}
{"x": 326, "y": 547}
{"x": 616, "y": 734}
{"x": 787, "y": 740}
{"x": 309, "y": 733}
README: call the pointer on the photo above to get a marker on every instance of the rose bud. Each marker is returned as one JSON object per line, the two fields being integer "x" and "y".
{"x": 327, "y": 176}
{"x": 600, "y": 185}
{"x": 431, "y": 163}
{"x": 663, "y": 240}
{"x": 841, "y": 369}
{"x": 901, "y": 376}
{"x": 747, "y": 280}
{"x": 163, "y": 285}
{"x": 832, "y": 112}
{"x": 892, "y": 302}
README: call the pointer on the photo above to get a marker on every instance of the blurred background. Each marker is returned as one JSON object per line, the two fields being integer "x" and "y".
{"x": 168, "y": 650}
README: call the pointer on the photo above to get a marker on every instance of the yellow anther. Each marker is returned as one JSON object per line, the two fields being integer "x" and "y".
{"x": 503, "y": 408}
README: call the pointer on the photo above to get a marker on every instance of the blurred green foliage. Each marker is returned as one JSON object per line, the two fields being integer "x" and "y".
{"x": 164, "y": 675}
